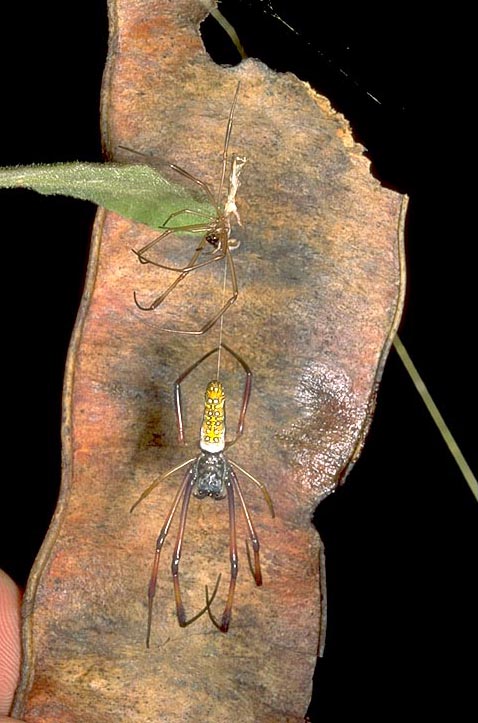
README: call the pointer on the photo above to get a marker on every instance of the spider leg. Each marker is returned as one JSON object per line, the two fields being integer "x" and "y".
{"x": 151, "y": 487}
{"x": 226, "y": 142}
{"x": 245, "y": 396}
{"x": 157, "y": 239}
{"x": 223, "y": 626}
{"x": 180, "y": 611}
{"x": 177, "y": 392}
{"x": 182, "y": 492}
{"x": 261, "y": 486}
{"x": 224, "y": 307}
{"x": 172, "y": 286}
{"x": 204, "y": 609}
{"x": 202, "y": 184}
{"x": 185, "y": 210}
{"x": 215, "y": 255}
{"x": 256, "y": 567}
{"x": 191, "y": 228}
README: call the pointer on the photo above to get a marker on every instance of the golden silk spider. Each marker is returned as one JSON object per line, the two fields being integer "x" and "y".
{"x": 215, "y": 230}
{"x": 209, "y": 474}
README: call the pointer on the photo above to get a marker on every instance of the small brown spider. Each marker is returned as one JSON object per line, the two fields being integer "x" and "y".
{"x": 215, "y": 230}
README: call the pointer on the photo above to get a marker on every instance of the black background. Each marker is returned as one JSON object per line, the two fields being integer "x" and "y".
{"x": 400, "y": 536}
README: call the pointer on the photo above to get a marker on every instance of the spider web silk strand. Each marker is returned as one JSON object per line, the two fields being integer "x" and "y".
{"x": 221, "y": 322}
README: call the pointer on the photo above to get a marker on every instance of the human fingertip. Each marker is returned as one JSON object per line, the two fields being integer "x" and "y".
{"x": 10, "y": 647}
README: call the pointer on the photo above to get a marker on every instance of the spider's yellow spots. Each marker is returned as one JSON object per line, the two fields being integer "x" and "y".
{"x": 213, "y": 432}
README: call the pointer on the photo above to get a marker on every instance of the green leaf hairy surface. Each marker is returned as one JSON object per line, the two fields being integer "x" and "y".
{"x": 137, "y": 192}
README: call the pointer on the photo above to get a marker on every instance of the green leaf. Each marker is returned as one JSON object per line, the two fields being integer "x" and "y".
{"x": 138, "y": 192}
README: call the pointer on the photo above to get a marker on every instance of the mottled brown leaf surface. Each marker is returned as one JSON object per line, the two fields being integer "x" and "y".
{"x": 320, "y": 294}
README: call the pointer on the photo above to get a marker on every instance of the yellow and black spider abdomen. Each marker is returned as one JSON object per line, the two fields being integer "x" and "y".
{"x": 213, "y": 429}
